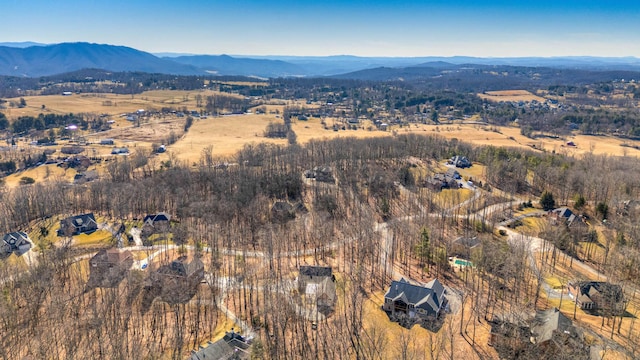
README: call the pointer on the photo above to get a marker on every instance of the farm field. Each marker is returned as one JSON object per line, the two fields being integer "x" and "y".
{"x": 228, "y": 134}
{"x": 112, "y": 104}
{"x": 510, "y": 95}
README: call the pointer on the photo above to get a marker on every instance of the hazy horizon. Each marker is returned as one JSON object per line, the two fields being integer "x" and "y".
{"x": 495, "y": 29}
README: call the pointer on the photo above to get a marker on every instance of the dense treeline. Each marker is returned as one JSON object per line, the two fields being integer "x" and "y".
{"x": 227, "y": 209}
{"x": 100, "y": 81}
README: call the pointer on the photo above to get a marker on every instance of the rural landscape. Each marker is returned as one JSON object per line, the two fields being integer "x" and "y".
{"x": 200, "y": 207}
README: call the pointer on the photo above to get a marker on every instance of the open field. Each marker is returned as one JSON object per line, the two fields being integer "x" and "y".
{"x": 229, "y": 134}
{"x": 112, "y": 104}
{"x": 43, "y": 172}
{"x": 510, "y": 95}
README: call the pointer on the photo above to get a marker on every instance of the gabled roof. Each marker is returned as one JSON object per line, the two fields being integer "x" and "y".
{"x": 81, "y": 220}
{"x": 316, "y": 271}
{"x": 161, "y": 216}
{"x": 431, "y": 294}
{"x": 116, "y": 256}
{"x": 231, "y": 346}
{"x": 14, "y": 239}
{"x": 468, "y": 242}
{"x": 601, "y": 288}
{"x": 564, "y": 212}
{"x": 183, "y": 267}
{"x": 549, "y": 321}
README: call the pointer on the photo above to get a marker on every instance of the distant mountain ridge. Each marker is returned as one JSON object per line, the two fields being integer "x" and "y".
{"x": 21, "y": 44}
{"x": 37, "y": 61}
{"x": 29, "y": 59}
{"x": 227, "y": 65}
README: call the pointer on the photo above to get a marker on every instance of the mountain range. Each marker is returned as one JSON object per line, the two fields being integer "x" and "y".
{"x": 29, "y": 59}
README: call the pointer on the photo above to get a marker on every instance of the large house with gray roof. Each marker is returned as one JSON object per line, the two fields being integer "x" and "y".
{"x": 415, "y": 301}
{"x": 16, "y": 242}
{"x": 79, "y": 224}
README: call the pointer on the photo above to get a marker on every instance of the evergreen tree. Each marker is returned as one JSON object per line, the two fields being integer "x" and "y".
{"x": 547, "y": 202}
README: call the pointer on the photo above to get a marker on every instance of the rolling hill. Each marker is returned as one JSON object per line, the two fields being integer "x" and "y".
{"x": 227, "y": 65}
{"x": 37, "y": 61}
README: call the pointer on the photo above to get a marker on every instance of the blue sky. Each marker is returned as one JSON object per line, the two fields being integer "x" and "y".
{"x": 491, "y": 28}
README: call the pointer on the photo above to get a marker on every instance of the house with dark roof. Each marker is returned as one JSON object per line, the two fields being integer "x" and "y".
{"x": 460, "y": 161}
{"x": 14, "y": 243}
{"x": 232, "y": 346}
{"x": 321, "y": 173}
{"x": 79, "y": 224}
{"x": 417, "y": 302}
{"x": 564, "y": 215}
{"x": 156, "y": 223}
{"x": 597, "y": 295}
{"x": 108, "y": 268}
{"x": 317, "y": 285}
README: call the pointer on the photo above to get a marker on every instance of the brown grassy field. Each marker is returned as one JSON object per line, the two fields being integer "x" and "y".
{"x": 510, "y": 95}
{"x": 112, "y": 104}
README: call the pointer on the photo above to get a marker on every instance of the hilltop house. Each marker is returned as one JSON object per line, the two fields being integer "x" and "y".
{"x": 416, "y": 302}
{"x": 79, "y": 224}
{"x": 109, "y": 267}
{"x": 317, "y": 284}
{"x": 16, "y": 242}
{"x": 593, "y": 295}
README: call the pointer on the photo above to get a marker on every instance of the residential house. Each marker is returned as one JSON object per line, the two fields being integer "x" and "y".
{"x": 544, "y": 336}
{"x": 321, "y": 173}
{"x": 417, "y": 302}
{"x": 317, "y": 284}
{"x": 464, "y": 246}
{"x": 442, "y": 181}
{"x": 156, "y": 223}
{"x": 553, "y": 333}
{"x": 120, "y": 151}
{"x": 564, "y": 215}
{"x": 16, "y": 242}
{"x": 453, "y": 174}
{"x": 232, "y": 346}
{"x": 79, "y": 224}
{"x": 109, "y": 267}
{"x": 84, "y": 177}
{"x": 597, "y": 295}
{"x": 460, "y": 161}
{"x": 177, "y": 282}
{"x": 107, "y": 142}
